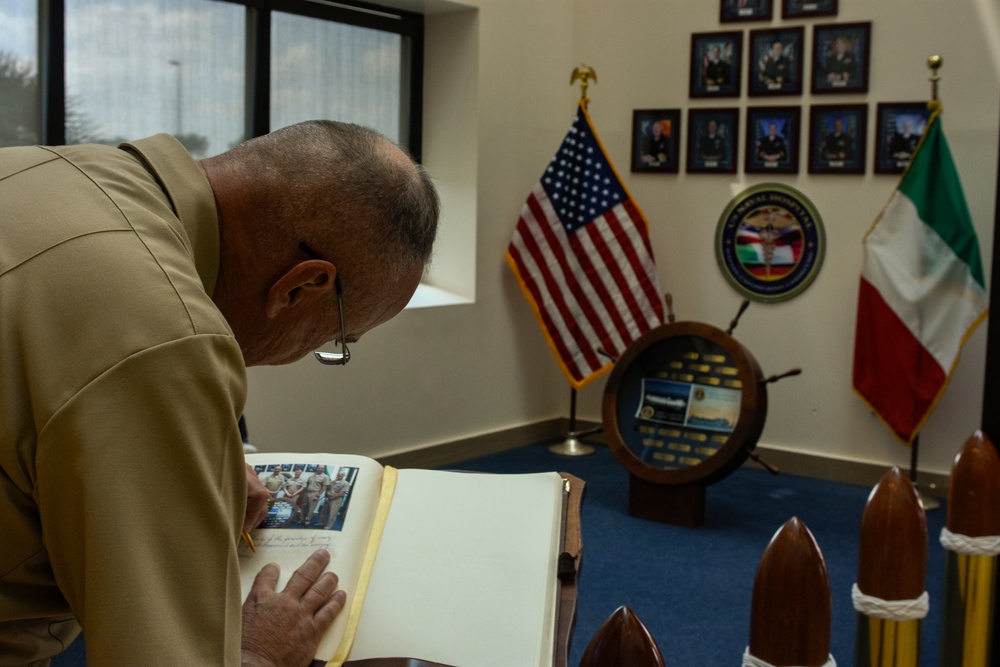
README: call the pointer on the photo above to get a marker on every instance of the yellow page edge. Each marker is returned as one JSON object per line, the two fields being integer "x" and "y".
{"x": 389, "y": 475}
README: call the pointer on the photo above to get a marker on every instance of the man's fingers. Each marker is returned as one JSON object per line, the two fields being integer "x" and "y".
{"x": 306, "y": 575}
{"x": 326, "y": 614}
{"x": 294, "y": 619}
{"x": 320, "y": 592}
{"x": 267, "y": 578}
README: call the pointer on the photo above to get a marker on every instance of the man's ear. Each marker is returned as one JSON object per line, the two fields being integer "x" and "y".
{"x": 301, "y": 282}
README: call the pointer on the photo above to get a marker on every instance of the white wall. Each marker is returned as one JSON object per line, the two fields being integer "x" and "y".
{"x": 499, "y": 103}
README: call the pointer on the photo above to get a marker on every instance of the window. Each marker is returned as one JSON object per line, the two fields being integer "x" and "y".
{"x": 323, "y": 69}
{"x": 210, "y": 72}
{"x": 173, "y": 66}
{"x": 214, "y": 72}
{"x": 20, "y": 109}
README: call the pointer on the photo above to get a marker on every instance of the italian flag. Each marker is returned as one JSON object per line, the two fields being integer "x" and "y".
{"x": 922, "y": 290}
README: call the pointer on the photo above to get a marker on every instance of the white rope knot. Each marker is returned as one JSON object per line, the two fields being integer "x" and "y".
{"x": 890, "y": 610}
{"x": 753, "y": 661}
{"x": 988, "y": 545}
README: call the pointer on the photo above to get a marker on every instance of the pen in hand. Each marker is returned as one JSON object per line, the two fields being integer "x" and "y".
{"x": 249, "y": 540}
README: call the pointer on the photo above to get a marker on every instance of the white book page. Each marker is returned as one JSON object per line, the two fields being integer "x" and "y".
{"x": 289, "y": 546}
{"x": 466, "y": 571}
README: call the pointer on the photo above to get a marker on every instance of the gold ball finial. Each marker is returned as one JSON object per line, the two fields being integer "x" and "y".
{"x": 935, "y": 62}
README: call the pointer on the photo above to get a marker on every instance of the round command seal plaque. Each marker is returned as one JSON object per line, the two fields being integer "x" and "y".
{"x": 770, "y": 242}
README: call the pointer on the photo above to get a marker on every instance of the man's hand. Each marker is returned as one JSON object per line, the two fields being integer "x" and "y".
{"x": 283, "y": 629}
{"x": 257, "y": 497}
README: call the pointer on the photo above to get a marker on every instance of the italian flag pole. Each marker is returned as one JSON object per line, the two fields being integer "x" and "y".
{"x": 922, "y": 290}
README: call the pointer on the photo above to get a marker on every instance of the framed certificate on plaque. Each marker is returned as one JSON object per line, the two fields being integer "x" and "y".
{"x": 685, "y": 404}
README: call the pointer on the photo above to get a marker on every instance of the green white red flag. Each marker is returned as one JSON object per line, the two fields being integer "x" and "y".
{"x": 922, "y": 290}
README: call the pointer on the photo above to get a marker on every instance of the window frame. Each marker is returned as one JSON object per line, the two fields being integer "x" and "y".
{"x": 409, "y": 25}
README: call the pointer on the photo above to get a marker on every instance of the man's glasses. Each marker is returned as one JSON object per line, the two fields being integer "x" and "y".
{"x": 332, "y": 358}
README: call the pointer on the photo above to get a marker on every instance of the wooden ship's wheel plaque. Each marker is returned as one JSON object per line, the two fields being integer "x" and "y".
{"x": 683, "y": 408}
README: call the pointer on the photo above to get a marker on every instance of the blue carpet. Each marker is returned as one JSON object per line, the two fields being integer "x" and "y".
{"x": 692, "y": 587}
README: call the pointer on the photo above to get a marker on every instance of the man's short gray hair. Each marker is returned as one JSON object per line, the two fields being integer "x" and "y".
{"x": 343, "y": 189}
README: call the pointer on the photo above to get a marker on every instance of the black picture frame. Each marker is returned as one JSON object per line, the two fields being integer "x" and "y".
{"x": 772, "y": 151}
{"x": 837, "y": 134}
{"x": 898, "y": 129}
{"x": 731, "y": 11}
{"x": 716, "y": 64}
{"x": 774, "y": 64}
{"x": 794, "y": 9}
{"x": 718, "y": 153}
{"x": 645, "y": 154}
{"x": 841, "y": 53}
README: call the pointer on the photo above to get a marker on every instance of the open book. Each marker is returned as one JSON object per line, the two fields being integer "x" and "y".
{"x": 449, "y": 567}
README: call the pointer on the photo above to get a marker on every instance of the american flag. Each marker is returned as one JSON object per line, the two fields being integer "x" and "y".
{"x": 582, "y": 256}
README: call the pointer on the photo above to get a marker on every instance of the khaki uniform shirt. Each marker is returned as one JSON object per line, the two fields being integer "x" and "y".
{"x": 274, "y": 482}
{"x": 122, "y": 481}
{"x": 316, "y": 484}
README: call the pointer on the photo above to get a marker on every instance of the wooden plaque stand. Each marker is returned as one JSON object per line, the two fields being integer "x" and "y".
{"x": 682, "y": 354}
{"x": 677, "y": 504}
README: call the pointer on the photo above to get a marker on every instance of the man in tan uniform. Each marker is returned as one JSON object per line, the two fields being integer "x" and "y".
{"x": 274, "y": 482}
{"x": 336, "y": 493}
{"x": 136, "y": 285}
{"x": 315, "y": 488}
{"x": 294, "y": 489}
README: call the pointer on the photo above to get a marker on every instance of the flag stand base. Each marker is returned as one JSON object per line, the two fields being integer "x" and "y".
{"x": 571, "y": 446}
{"x": 929, "y": 502}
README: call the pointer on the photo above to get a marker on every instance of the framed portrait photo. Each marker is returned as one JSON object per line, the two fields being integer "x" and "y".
{"x": 837, "y": 138}
{"x": 772, "y": 143}
{"x": 794, "y": 9}
{"x": 898, "y": 129}
{"x": 731, "y": 11}
{"x": 775, "y": 61}
{"x": 840, "y": 57}
{"x": 716, "y": 64}
{"x": 713, "y": 140}
{"x": 656, "y": 134}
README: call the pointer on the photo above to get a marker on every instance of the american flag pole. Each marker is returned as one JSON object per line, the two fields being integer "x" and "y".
{"x": 572, "y": 446}
{"x": 584, "y": 262}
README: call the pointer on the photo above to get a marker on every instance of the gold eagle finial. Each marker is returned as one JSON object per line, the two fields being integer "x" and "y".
{"x": 584, "y": 74}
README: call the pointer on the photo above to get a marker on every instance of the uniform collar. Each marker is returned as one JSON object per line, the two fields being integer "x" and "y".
{"x": 190, "y": 195}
